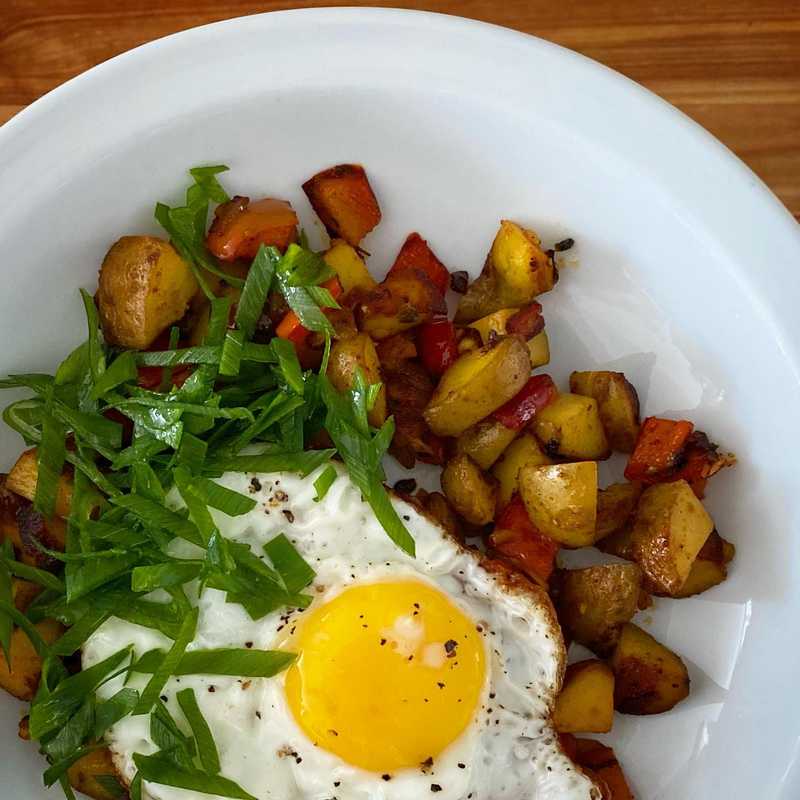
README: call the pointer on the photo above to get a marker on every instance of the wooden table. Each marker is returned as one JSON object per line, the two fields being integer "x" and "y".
{"x": 733, "y": 65}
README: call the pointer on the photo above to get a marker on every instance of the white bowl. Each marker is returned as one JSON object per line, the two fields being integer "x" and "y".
{"x": 685, "y": 277}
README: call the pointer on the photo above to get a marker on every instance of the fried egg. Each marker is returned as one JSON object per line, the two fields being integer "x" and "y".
{"x": 432, "y": 675}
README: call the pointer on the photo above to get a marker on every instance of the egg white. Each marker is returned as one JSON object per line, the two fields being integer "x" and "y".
{"x": 508, "y": 752}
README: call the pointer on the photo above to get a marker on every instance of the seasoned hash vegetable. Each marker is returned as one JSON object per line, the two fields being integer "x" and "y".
{"x": 218, "y": 337}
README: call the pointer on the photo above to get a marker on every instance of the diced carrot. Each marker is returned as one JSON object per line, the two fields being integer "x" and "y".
{"x": 240, "y": 227}
{"x": 516, "y": 538}
{"x": 659, "y": 448}
{"x": 415, "y": 252}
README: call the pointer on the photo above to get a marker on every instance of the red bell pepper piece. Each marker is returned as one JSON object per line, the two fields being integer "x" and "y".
{"x": 152, "y": 377}
{"x": 416, "y": 253}
{"x": 538, "y": 392}
{"x": 527, "y": 322}
{"x": 515, "y": 537}
{"x": 659, "y": 448}
{"x": 438, "y": 346}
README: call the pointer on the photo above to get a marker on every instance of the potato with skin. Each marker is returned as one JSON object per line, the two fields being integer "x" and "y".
{"x": 24, "y": 476}
{"x": 650, "y": 678}
{"x": 586, "y": 701}
{"x": 485, "y": 441}
{"x": 595, "y": 602}
{"x": 569, "y": 427}
{"x": 710, "y": 568}
{"x": 472, "y": 493}
{"x": 600, "y": 762}
{"x": 521, "y": 452}
{"x": 539, "y": 349}
{"x": 22, "y": 679}
{"x": 348, "y": 355}
{"x": 144, "y": 286}
{"x": 670, "y": 528}
{"x": 344, "y": 201}
{"x": 617, "y": 402}
{"x": 476, "y": 384}
{"x": 516, "y": 271}
{"x": 561, "y": 500}
{"x": 84, "y": 773}
{"x": 496, "y": 324}
{"x": 349, "y": 266}
{"x": 615, "y": 507}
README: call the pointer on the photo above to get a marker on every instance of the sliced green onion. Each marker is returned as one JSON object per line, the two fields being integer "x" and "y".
{"x": 206, "y": 748}
{"x": 325, "y": 481}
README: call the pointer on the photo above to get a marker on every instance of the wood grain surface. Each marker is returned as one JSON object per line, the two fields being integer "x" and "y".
{"x": 732, "y": 65}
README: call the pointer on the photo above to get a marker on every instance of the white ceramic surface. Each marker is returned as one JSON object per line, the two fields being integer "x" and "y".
{"x": 685, "y": 276}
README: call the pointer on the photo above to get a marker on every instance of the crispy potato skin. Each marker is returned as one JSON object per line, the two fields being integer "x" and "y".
{"x": 349, "y": 266}
{"x": 570, "y": 427}
{"x": 615, "y": 507}
{"x": 84, "y": 772}
{"x": 144, "y": 286}
{"x": 516, "y": 271}
{"x": 24, "y": 476}
{"x": 669, "y": 530}
{"x": 617, "y": 403}
{"x": 22, "y": 679}
{"x": 344, "y": 201}
{"x": 471, "y": 492}
{"x": 476, "y": 384}
{"x": 522, "y": 451}
{"x": 485, "y": 442}
{"x": 404, "y": 300}
{"x": 586, "y": 702}
{"x": 561, "y": 500}
{"x": 595, "y": 602}
{"x": 650, "y": 678}
{"x": 348, "y": 355}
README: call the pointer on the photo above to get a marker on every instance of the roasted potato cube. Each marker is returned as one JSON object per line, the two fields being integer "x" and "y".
{"x": 241, "y": 227}
{"x": 471, "y": 493}
{"x": 437, "y": 506}
{"x": 493, "y": 325}
{"x": 485, "y": 442}
{"x": 670, "y": 527}
{"x": 24, "y": 476}
{"x": 476, "y": 384}
{"x": 348, "y": 355}
{"x": 586, "y": 701}
{"x": 600, "y": 762}
{"x": 24, "y": 593}
{"x": 619, "y": 543}
{"x": 349, "y": 266}
{"x": 595, "y": 602}
{"x": 144, "y": 286}
{"x": 521, "y": 452}
{"x": 344, "y": 201}
{"x": 617, "y": 403}
{"x": 516, "y": 271}
{"x": 561, "y": 500}
{"x": 710, "y": 567}
{"x": 22, "y": 679}
{"x": 615, "y": 507}
{"x": 404, "y": 300}
{"x": 539, "y": 349}
{"x": 649, "y": 677}
{"x": 84, "y": 774}
{"x": 570, "y": 427}
{"x": 396, "y": 351}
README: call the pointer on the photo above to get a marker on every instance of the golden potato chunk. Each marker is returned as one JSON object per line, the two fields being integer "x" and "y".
{"x": 523, "y": 451}
{"x": 670, "y": 527}
{"x": 710, "y": 568}
{"x": 476, "y": 384}
{"x": 650, "y": 678}
{"x": 493, "y": 325}
{"x": 471, "y": 493}
{"x": 595, "y": 602}
{"x": 485, "y": 441}
{"x": 586, "y": 701}
{"x": 84, "y": 773}
{"x": 349, "y": 266}
{"x": 615, "y": 507}
{"x": 144, "y": 286}
{"x": 358, "y": 352}
{"x": 539, "y": 349}
{"x": 22, "y": 680}
{"x": 24, "y": 476}
{"x": 516, "y": 271}
{"x": 617, "y": 403}
{"x": 561, "y": 500}
{"x": 570, "y": 427}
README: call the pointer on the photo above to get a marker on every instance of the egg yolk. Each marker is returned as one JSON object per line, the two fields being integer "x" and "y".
{"x": 388, "y": 675}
